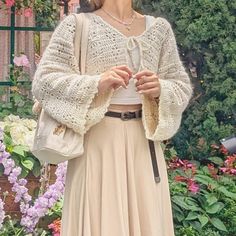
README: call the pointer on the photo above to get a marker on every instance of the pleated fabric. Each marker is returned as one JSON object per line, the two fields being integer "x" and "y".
{"x": 110, "y": 189}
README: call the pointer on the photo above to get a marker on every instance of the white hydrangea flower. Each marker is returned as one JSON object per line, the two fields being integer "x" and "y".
{"x": 12, "y": 118}
{"x": 29, "y": 123}
{"x": 21, "y": 130}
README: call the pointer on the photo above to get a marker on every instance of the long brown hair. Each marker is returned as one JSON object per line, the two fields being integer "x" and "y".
{"x": 90, "y": 5}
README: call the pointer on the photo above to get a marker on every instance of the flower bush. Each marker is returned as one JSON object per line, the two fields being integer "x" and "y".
{"x": 203, "y": 194}
{"x": 16, "y": 160}
{"x": 19, "y": 100}
{"x": 205, "y": 33}
{"x": 22, "y": 7}
{"x": 46, "y": 12}
{"x": 31, "y": 211}
{"x": 18, "y": 138}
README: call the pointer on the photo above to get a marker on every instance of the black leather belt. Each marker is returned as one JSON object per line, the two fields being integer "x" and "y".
{"x": 127, "y": 115}
{"x": 138, "y": 114}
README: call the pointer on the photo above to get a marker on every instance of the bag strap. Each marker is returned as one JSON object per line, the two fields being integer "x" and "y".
{"x": 81, "y": 40}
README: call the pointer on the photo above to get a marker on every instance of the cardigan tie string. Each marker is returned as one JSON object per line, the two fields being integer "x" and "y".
{"x": 136, "y": 46}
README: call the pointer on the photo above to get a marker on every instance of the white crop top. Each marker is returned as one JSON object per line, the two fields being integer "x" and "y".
{"x": 129, "y": 95}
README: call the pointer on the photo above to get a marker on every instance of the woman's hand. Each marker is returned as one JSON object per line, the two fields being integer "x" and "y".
{"x": 148, "y": 83}
{"x": 114, "y": 78}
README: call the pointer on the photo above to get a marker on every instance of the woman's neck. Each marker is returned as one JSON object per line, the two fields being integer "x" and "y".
{"x": 121, "y": 9}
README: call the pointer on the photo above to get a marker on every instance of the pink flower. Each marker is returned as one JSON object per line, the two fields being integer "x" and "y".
{"x": 21, "y": 61}
{"x": 223, "y": 169}
{"x": 28, "y": 12}
{"x": 230, "y": 160}
{"x": 10, "y": 3}
{"x": 193, "y": 187}
{"x": 56, "y": 234}
{"x": 55, "y": 226}
{"x": 233, "y": 171}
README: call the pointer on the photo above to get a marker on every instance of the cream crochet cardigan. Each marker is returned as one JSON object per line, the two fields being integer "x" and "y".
{"x": 72, "y": 98}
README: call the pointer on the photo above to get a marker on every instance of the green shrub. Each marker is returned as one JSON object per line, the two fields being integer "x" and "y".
{"x": 203, "y": 196}
{"x": 47, "y": 13}
{"x": 205, "y": 33}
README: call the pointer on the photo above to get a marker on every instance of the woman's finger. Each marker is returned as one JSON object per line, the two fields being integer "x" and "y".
{"x": 114, "y": 74}
{"x": 125, "y": 75}
{"x": 117, "y": 82}
{"x": 146, "y": 79}
{"x": 148, "y": 85}
{"x": 124, "y": 68}
{"x": 142, "y": 73}
{"x": 153, "y": 92}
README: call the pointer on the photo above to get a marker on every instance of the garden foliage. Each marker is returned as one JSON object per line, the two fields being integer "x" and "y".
{"x": 205, "y": 33}
{"x": 203, "y": 196}
{"x": 203, "y": 199}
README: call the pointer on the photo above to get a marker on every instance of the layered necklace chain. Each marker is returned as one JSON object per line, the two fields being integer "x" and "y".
{"x": 126, "y": 24}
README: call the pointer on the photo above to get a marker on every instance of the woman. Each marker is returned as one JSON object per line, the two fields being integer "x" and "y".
{"x": 132, "y": 64}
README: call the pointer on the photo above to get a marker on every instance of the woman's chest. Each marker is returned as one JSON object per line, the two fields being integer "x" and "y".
{"x": 108, "y": 47}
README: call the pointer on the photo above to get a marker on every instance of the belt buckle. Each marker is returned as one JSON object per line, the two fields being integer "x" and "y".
{"x": 126, "y": 115}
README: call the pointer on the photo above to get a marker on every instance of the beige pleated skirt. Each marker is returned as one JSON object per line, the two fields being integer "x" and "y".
{"x": 110, "y": 190}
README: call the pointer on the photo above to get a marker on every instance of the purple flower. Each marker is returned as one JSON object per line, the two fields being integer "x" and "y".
{"x": 8, "y": 164}
{"x": 22, "y": 182}
{"x": 46, "y": 201}
{"x": 30, "y": 213}
{"x": 3, "y": 153}
{"x": 24, "y": 207}
{"x": 14, "y": 175}
{"x": 2, "y": 212}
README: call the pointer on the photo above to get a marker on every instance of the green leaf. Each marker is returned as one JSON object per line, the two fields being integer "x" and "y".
{"x": 173, "y": 152}
{"x": 176, "y": 208}
{"x": 7, "y": 140}
{"x": 206, "y": 180}
{"x": 186, "y": 203}
{"x": 36, "y": 169}
{"x": 223, "y": 190}
{"x": 179, "y": 200}
{"x": 218, "y": 224}
{"x": 192, "y": 216}
{"x": 28, "y": 164}
{"x": 24, "y": 173}
{"x": 179, "y": 216}
{"x": 211, "y": 199}
{"x": 20, "y": 150}
{"x": 216, "y": 160}
{"x": 203, "y": 220}
{"x": 196, "y": 225}
{"x": 214, "y": 208}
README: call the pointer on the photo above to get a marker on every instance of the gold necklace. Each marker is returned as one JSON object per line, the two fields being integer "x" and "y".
{"x": 126, "y": 24}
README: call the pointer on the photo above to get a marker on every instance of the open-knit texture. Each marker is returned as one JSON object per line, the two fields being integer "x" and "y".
{"x": 72, "y": 98}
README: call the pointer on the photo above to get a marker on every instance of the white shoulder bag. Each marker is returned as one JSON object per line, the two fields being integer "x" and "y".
{"x": 54, "y": 142}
